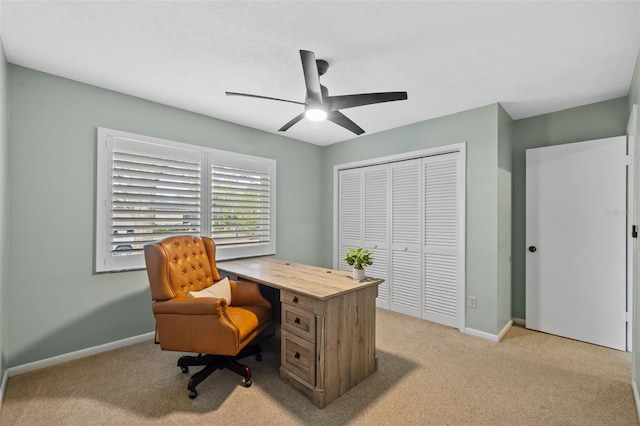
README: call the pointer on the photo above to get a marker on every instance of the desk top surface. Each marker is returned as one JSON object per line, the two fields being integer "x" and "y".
{"x": 312, "y": 281}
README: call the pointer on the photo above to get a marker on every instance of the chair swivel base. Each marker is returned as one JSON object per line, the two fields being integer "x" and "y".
{"x": 218, "y": 362}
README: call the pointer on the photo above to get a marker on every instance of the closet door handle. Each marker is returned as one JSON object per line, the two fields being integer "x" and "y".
{"x": 297, "y": 355}
{"x": 297, "y": 320}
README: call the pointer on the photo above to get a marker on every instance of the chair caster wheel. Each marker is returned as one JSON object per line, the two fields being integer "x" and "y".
{"x": 258, "y": 357}
{"x": 185, "y": 370}
{"x": 193, "y": 394}
{"x": 247, "y": 383}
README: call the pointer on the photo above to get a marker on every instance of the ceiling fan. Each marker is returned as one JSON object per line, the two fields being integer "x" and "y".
{"x": 318, "y": 105}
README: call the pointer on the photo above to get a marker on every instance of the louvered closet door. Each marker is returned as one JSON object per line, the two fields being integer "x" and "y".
{"x": 406, "y": 228}
{"x": 441, "y": 224}
{"x": 376, "y": 226}
{"x": 349, "y": 214}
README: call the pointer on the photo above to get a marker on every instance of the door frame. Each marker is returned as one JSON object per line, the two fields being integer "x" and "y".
{"x": 632, "y": 243}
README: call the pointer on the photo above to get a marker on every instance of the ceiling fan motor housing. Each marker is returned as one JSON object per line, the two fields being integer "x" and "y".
{"x": 322, "y": 65}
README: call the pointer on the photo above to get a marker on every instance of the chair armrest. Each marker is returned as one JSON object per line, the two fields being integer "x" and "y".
{"x": 190, "y": 306}
{"x": 209, "y": 328}
{"x": 247, "y": 293}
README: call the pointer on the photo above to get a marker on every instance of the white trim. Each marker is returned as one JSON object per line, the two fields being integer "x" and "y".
{"x": 462, "y": 237}
{"x": 489, "y": 336}
{"x": 636, "y": 397}
{"x": 3, "y": 386}
{"x": 104, "y": 132}
{"x": 83, "y": 353}
{"x": 444, "y": 149}
{"x": 632, "y": 126}
{"x": 482, "y": 334}
{"x": 505, "y": 330}
{"x": 520, "y": 321}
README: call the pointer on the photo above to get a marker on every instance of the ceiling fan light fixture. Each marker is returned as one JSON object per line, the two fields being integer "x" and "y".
{"x": 316, "y": 114}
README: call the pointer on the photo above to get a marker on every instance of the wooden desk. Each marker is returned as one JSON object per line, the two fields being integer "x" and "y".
{"x": 328, "y": 339}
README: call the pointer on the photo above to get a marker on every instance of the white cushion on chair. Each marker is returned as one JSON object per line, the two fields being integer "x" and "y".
{"x": 220, "y": 290}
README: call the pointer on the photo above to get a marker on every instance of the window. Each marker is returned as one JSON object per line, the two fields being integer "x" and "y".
{"x": 149, "y": 189}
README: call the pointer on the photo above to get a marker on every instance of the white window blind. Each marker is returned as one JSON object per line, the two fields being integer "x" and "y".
{"x": 152, "y": 197}
{"x": 150, "y": 189}
{"x": 239, "y": 205}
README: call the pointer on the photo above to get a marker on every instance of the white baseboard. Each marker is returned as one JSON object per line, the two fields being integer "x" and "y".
{"x": 505, "y": 330}
{"x": 636, "y": 397}
{"x": 489, "y": 336}
{"x": 520, "y": 321}
{"x": 43, "y": 363}
{"x": 482, "y": 334}
{"x": 3, "y": 386}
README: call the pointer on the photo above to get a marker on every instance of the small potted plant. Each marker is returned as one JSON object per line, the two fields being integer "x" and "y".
{"x": 358, "y": 258}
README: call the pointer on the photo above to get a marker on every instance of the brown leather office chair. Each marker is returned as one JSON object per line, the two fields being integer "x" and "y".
{"x": 218, "y": 332}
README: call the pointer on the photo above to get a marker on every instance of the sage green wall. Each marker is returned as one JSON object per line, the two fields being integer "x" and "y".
{"x": 479, "y": 129}
{"x": 4, "y": 318}
{"x": 51, "y": 178}
{"x": 634, "y": 99}
{"x": 594, "y": 121}
{"x": 505, "y": 163}
{"x": 57, "y": 304}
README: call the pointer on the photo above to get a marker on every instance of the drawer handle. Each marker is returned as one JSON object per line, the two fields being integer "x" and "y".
{"x": 297, "y": 320}
{"x": 297, "y": 355}
{"x": 295, "y": 299}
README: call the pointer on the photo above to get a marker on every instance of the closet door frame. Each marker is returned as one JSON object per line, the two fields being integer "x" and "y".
{"x": 445, "y": 149}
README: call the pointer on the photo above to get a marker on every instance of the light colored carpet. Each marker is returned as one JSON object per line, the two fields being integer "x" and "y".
{"x": 427, "y": 374}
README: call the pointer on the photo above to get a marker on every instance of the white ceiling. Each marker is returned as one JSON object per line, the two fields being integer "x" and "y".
{"x": 533, "y": 57}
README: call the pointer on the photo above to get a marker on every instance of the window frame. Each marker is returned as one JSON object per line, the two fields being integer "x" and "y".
{"x": 105, "y": 262}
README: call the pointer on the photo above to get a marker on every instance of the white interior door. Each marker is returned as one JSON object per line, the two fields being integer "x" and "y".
{"x": 376, "y": 226}
{"x": 575, "y": 231}
{"x": 441, "y": 216}
{"x": 406, "y": 230}
{"x": 349, "y": 214}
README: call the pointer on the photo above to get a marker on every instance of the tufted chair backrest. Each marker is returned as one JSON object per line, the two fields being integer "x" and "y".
{"x": 178, "y": 265}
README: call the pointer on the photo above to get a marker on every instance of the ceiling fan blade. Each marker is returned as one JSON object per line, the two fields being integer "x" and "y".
{"x": 262, "y": 97}
{"x": 341, "y": 120}
{"x": 293, "y": 121}
{"x": 350, "y": 101}
{"x": 311, "y": 76}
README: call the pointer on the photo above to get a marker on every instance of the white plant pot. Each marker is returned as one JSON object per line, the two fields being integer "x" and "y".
{"x": 358, "y": 274}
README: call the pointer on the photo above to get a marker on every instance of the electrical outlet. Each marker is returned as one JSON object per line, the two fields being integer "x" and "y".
{"x": 473, "y": 302}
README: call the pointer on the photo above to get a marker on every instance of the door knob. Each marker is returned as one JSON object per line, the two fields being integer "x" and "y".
{"x": 532, "y": 249}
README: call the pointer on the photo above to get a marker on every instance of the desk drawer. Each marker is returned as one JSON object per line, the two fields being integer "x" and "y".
{"x": 300, "y": 322}
{"x": 298, "y": 357}
{"x": 296, "y": 299}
